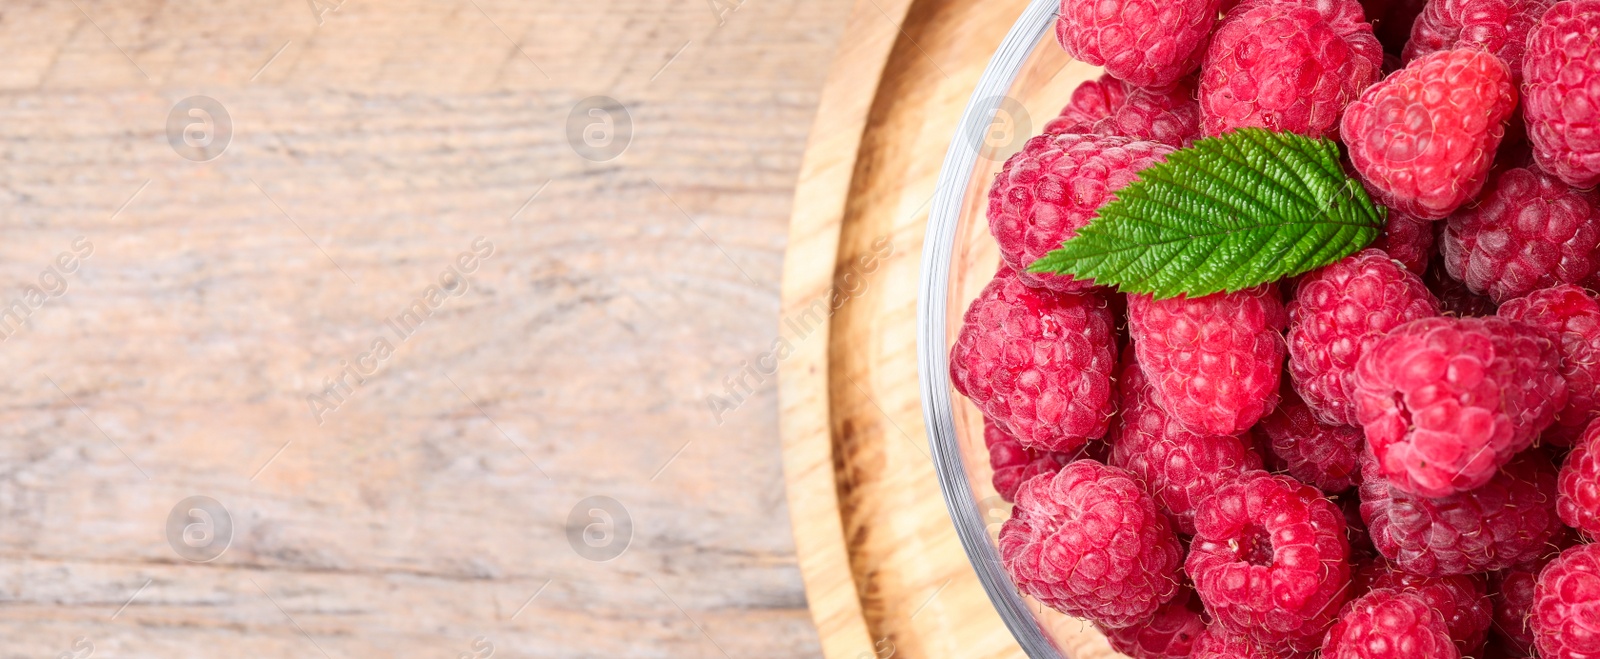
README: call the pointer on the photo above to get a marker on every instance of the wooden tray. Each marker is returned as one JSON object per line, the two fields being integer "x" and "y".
{"x": 883, "y": 569}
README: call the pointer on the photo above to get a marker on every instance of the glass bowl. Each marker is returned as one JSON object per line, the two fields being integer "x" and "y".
{"x": 1026, "y": 83}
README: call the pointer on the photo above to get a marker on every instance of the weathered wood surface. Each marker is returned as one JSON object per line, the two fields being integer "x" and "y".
{"x": 367, "y": 152}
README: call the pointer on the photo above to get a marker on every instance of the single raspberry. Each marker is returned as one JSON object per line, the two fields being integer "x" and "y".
{"x": 1169, "y": 634}
{"x": 1573, "y": 316}
{"x": 1511, "y": 590}
{"x": 1407, "y": 239}
{"x": 1500, "y": 524}
{"x": 1214, "y": 361}
{"x": 1461, "y": 599}
{"x": 1269, "y": 560}
{"x": 1561, "y": 100}
{"x": 1038, "y": 363}
{"x": 1455, "y": 299}
{"x": 1446, "y": 401}
{"x": 1426, "y": 136}
{"x": 1014, "y": 463}
{"x": 1319, "y": 454}
{"x": 1218, "y": 642}
{"x": 1144, "y": 42}
{"x": 1178, "y": 468}
{"x": 1286, "y": 66}
{"x": 1385, "y": 624}
{"x": 1052, "y": 188}
{"x": 1498, "y": 26}
{"x": 1109, "y": 106}
{"x": 1566, "y": 605}
{"x": 1578, "y": 485}
{"x": 1528, "y": 231}
{"x": 1338, "y": 314}
{"x": 1088, "y": 542}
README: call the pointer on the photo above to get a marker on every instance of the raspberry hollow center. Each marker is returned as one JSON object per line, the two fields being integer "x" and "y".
{"x": 1253, "y": 546}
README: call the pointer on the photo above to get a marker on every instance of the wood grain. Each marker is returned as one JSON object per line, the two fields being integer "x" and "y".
{"x": 374, "y": 147}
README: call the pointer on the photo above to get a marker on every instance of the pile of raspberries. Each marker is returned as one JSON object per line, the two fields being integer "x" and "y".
{"x": 1392, "y": 456}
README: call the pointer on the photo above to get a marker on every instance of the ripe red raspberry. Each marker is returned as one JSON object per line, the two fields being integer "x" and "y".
{"x": 1014, "y": 463}
{"x": 1425, "y": 137}
{"x": 1109, "y": 106}
{"x": 1461, "y": 599}
{"x": 1338, "y": 314}
{"x": 1170, "y": 634}
{"x": 1218, "y": 642}
{"x": 1214, "y": 361}
{"x": 1285, "y": 65}
{"x": 1573, "y": 316}
{"x": 1455, "y": 299}
{"x": 1178, "y": 468}
{"x": 1498, "y": 26}
{"x": 1088, "y": 542}
{"x": 1144, "y": 42}
{"x": 1511, "y": 590}
{"x": 1407, "y": 239}
{"x": 1528, "y": 231}
{"x": 1566, "y": 605}
{"x": 1578, "y": 485}
{"x": 1321, "y": 455}
{"x": 1389, "y": 624}
{"x": 1505, "y": 522}
{"x": 1052, "y": 188}
{"x": 1269, "y": 560}
{"x": 1446, "y": 401}
{"x": 1037, "y": 362}
{"x": 1562, "y": 103}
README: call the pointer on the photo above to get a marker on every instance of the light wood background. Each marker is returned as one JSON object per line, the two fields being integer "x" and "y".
{"x": 367, "y": 151}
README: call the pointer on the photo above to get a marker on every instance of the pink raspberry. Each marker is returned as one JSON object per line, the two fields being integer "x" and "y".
{"x": 1178, "y": 468}
{"x": 1573, "y": 316}
{"x": 1529, "y": 231}
{"x": 1109, "y": 106}
{"x": 1389, "y": 624}
{"x": 1498, "y": 26}
{"x": 1014, "y": 463}
{"x": 1052, "y": 188}
{"x": 1319, "y": 454}
{"x": 1170, "y": 634}
{"x": 1446, "y": 401}
{"x": 1500, "y": 524}
{"x": 1214, "y": 361}
{"x": 1426, "y": 136}
{"x": 1407, "y": 239}
{"x": 1088, "y": 542}
{"x": 1269, "y": 560}
{"x": 1218, "y": 642}
{"x": 1455, "y": 299}
{"x": 1562, "y": 101}
{"x": 1511, "y": 590}
{"x": 1461, "y": 599}
{"x": 1566, "y": 605}
{"x": 1038, "y": 363}
{"x": 1144, "y": 42}
{"x": 1338, "y": 314}
{"x": 1578, "y": 486}
{"x": 1285, "y": 65}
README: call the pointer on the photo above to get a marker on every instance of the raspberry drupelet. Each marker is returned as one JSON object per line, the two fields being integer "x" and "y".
{"x": 1145, "y": 42}
{"x": 1321, "y": 455}
{"x": 1565, "y": 616}
{"x": 1014, "y": 463}
{"x": 1561, "y": 100}
{"x": 1389, "y": 624}
{"x": 1109, "y": 106}
{"x": 1528, "y": 231}
{"x": 1572, "y": 315}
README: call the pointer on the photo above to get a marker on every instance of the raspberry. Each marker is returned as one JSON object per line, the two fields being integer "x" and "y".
{"x": 1088, "y": 542}
{"x": 1573, "y": 316}
{"x": 1109, "y": 106}
{"x": 1528, "y": 231}
{"x": 1446, "y": 401}
{"x": 1170, "y": 634}
{"x": 1425, "y": 137}
{"x": 1500, "y": 524}
{"x": 1455, "y": 298}
{"x": 1578, "y": 485}
{"x": 1511, "y": 590}
{"x": 1407, "y": 239}
{"x": 1385, "y": 624}
{"x": 1285, "y": 65}
{"x": 1269, "y": 560}
{"x": 1462, "y": 600}
{"x": 1338, "y": 314}
{"x": 1565, "y": 616}
{"x": 1561, "y": 102}
{"x": 1498, "y": 26}
{"x": 1213, "y": 361}
{"x": 1038, "y": 363}
{"x": 1014, "y": 463}
{"x": 1319, "y": 454}
{"x": 1178, "y": 468}
{"x": 1220, "y": 643}
{"x": 1053, "y": 187}
{"x": 1144, "y": 42}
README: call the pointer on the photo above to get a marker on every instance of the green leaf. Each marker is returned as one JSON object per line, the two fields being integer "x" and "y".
{"x": 1231, "y": 212}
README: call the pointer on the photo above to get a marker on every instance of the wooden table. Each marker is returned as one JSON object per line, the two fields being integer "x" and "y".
{"x": 428, "y": 513}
